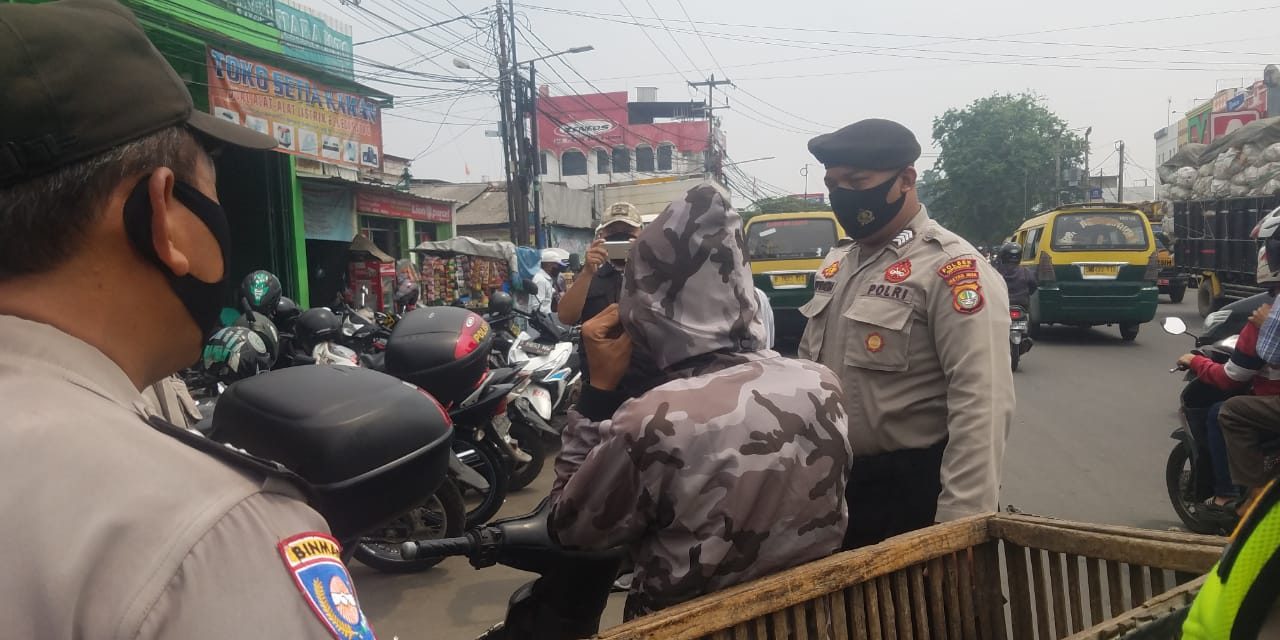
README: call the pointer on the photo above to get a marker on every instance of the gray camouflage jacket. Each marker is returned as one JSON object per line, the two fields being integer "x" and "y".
{"x": 733, "y": 466}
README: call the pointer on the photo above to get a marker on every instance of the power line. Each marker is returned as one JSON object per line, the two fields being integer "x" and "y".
{"x": 645, "y": 31}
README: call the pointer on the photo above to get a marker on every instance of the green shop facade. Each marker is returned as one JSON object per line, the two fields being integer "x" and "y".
{"x": 216, "y": 47}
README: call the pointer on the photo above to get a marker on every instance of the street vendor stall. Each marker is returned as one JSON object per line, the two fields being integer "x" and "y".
{"x": 464, "y": 270}
{"x": 992, "y": 577}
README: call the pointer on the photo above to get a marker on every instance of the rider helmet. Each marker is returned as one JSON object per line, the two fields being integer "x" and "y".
{"x": 235, "y": 353}
{"x": 1010, "y": 253}
{"x": 265, "y": 328}
{"x": 500, "y": 303}
{"x": 286, "y": 314}
{"x": 315, "y": 326}
{"x": 1266, "y": 231}
{"x": 260, "y": 291}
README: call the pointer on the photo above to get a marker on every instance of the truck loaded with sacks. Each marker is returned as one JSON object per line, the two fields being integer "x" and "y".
{"x": 1218, "y": 192}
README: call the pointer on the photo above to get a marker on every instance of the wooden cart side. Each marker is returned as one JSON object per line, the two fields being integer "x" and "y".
{"x": 1115, "y": 570}
{"x": 1150, "y": 610}
{"x": 790, "y": 591}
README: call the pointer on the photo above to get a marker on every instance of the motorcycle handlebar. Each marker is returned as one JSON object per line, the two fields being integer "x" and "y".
{"x": 442, "y": 548}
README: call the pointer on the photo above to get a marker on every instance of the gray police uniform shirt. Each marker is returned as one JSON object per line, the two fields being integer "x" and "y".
{"x": 116, "y": 530}
{"x": 918, "y": 333}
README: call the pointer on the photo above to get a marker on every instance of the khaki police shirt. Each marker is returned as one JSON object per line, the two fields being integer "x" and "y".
{"x": 919, "y": 334}
{"x": 115, "y": 530}
{"x": 170, "y": 399}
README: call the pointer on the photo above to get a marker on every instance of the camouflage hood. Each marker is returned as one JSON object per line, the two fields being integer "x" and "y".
{"x": 687, "y": 289}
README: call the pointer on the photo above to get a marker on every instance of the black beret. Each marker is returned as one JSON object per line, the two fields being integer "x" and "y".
{"x": 867, "y": 144}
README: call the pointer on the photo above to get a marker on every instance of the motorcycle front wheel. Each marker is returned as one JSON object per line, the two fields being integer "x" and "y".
{"x": 524, "y": 473}
{"x": 443, "y": 516}
{"x": 1015, "y": 354}
{"x": 1182, "y": 492}
{"x": 485, "y": 458}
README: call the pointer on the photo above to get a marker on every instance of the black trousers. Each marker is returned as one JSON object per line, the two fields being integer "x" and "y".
{"x": 892, "y": 493}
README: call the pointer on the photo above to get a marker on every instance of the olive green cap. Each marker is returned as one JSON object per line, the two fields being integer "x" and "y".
{"x": 79, "y": 77}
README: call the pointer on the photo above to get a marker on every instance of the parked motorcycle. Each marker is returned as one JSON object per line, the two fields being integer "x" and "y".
{"x": 1189, "y": 470}
{"x": 564, "y": 604}
{"x": 1019, "y": 339}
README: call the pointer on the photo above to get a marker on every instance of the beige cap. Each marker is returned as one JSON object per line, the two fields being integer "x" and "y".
{"x": 622, "y": 212}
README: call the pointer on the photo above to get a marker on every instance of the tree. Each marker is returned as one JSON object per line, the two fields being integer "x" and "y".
{"x": 783, "y": 204}
{"x": 997, "y": 163}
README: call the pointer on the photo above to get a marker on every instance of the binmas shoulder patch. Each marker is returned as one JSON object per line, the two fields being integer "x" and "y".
{"x": 314, "y": 560}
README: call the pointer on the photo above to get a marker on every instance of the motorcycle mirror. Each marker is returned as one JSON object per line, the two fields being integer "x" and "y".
{"x": 1174, "y": 326}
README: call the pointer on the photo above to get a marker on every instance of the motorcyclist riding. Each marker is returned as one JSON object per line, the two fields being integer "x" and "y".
{"x": 1019, "y": 279}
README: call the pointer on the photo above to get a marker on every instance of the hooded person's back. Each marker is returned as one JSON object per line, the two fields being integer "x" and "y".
{"x": 732, "y": 464}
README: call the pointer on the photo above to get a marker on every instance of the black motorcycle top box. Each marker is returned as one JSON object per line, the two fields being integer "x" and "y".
{"x": 444, "y": 350}
{"x": 370, "y": 446}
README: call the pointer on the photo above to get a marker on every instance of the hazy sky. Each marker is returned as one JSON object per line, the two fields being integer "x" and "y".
{"x": 806, "y": 67}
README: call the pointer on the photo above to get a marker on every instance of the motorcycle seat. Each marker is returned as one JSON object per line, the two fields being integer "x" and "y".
{"x": 370, "y": 445}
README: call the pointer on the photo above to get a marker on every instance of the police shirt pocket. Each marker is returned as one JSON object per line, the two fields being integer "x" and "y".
{"x": 878, "y": 334}
{"x": 815, "y": 328}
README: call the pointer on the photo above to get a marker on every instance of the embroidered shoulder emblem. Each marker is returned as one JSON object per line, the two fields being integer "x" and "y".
{"x": 903, "y": 238}
{"x": 831, "y": 270}
{"x": 314, "y": 560}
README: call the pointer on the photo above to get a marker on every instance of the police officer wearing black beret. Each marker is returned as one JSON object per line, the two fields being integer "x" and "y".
{"x": 916, "y": 325}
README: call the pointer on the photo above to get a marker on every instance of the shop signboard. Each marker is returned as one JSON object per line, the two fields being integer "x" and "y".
{"x": 600, "y": 120}
{"x": 1225, "y": 123}
{"x": 306, "y": 35}
{"x": 307, "y": 118}
{"x": 402, "y": 207}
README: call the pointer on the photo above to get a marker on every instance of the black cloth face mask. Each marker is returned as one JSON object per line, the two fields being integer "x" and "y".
{"x": 863, "y": 212}
{"x": 203, "y": 300}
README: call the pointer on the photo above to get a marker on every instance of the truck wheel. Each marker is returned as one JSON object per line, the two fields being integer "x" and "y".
{"x": 1129, "y": 332}
{"x": 1177, "y": 292}
{"x": 1205, "y": 302}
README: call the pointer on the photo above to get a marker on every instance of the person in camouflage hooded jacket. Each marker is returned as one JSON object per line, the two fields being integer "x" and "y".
{"x": 732, "y": 464}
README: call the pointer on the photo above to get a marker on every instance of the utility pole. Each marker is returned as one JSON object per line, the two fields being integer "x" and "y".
{"x": 711, "y": 85}
{"x": 805, "y": 172}
{"x": 535, "y": 157}
{"x": 1120, "y": 178}
{"x": 520, "y": 148}
{"x": 507, "y": 126}
{"x": 1057, "y": 177}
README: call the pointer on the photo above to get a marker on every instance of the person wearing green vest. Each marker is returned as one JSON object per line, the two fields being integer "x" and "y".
{"x": 1239, "y": 597}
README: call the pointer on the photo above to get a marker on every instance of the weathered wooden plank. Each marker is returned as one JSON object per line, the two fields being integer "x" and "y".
{"x": 937, "y": 573}
{"x": 1166, "y": 602}
{"x": 888, "y": 613}
{"x": 1192, "y": 557}
{"x": 915, "y": 575}
{"x": 822, "y": 616}
{"x": 1115, "y": 589}
{"x": 701, "y": 616}
{"x": 968, "y": 608}
{"x": 839, "y": 616}
{"x": 1137, "y": 585}
{"x": 1097, "y": 613}
{"x": 777, "y": 624}
{"x": 1074, "y": 602}
{"x": 1158, "y": 582}
{"x": 1058, "y": 595}
{"x": 951, "y": 596}
{"x": 902, "y": 605}
{"x": 874, "y": 629}
{"x": 856, "y": 601}
{"x": 986, "y": 564}
{"x": 1019, "y": 591}
{"x": 1130, "y": 533}
{"x": 800, "y": 619}
{"x": 1040, "y": 591}
{"x": 760, "y": 628}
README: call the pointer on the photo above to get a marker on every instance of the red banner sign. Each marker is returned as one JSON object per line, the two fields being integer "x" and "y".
{"x": 599, "y": 120}
{"x": 403, "y": 207}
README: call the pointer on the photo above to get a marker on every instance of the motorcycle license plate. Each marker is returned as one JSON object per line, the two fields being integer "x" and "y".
{"x": 1163, "y": 282}
{"x": 1020, "y": 325}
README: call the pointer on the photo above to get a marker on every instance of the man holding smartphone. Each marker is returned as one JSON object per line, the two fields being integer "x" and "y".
{"x": 600, "y": 283}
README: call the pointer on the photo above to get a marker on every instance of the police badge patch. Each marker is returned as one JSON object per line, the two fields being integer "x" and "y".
{"x": 898, "y": 271}
{"x": 314, "y": 560}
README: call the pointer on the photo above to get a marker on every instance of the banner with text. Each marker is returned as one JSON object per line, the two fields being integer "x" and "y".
{"x": 307, "y": 119}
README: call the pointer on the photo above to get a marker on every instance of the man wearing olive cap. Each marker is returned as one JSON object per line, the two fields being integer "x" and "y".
{"x": 916, "y": 325}
{"x": 115, "y": 526}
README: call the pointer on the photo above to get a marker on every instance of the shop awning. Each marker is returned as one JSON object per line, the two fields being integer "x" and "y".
{"x": 472, "y": 247}
{"x": 362, "y": 244}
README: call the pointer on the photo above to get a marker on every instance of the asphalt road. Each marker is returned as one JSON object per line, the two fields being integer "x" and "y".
{"x": 1089, "y": 443}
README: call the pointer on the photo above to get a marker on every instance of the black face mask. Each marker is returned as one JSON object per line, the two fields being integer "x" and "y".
{"x": 203, "y": 300}
{"x": 863, "y": 212}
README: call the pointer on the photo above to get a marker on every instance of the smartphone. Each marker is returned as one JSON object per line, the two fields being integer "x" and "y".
{"x": 618, "y": 250}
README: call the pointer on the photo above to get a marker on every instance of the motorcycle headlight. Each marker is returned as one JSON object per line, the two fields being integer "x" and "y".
{"x": 1213, "y": 320}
